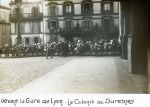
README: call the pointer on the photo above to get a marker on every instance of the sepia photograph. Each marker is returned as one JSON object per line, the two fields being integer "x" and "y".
{"x": 74, "y": 46}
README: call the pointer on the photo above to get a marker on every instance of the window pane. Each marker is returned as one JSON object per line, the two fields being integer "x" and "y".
{"x": 68, "y": 8}
{"x": 36, "y": 27}
{"x": 87, "y": 8}
{"x": 27, "y": 28}
{"x": 26, "y": 41}
{"x": 53, "y": 24}
{"x": 35, "y": 11}
{"x": 53, "y": 10}
{"x": 107, "y": 24}
{"x": 87, "y": 23}
{"x": 107, "y": 6}
{"x": 68, "y": 24}
{"x": 36, "y": 40}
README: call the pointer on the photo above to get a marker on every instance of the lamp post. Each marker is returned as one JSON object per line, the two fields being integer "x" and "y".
{"x": 18, "y": 14}
{"x": 56, "y": 35}
{"x": 51, "y": 34}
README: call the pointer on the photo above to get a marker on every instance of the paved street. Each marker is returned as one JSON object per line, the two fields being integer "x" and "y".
{"x": 17, "y": 72}
{"x": 66, "y": 75}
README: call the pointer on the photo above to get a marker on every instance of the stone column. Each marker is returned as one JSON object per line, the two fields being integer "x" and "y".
{"x": 139, "y": 37}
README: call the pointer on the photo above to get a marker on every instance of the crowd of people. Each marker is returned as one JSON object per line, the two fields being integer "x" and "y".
{"x": 63, "y": 48}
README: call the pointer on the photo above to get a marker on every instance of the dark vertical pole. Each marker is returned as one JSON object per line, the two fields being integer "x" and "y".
{"x": 56, "y": 30}
{"x": 50, "y": 31}
{"x": 19, "y": 41}
{"x": 18, "y": 14}
{"x": 56, "y": 35}
{"x": 43, "y": 20}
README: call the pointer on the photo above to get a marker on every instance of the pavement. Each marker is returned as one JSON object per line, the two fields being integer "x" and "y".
{"x": 84, "y": 75}
{"x": 15, "y": 73}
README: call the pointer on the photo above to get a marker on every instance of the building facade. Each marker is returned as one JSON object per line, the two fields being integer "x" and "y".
{"x": 53, "y": 20}
{"x": 31, "y": 22}
{"x": 5, "y": 37}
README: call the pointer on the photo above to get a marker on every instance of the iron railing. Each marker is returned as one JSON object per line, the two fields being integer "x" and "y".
{"x": 26, "y": 16}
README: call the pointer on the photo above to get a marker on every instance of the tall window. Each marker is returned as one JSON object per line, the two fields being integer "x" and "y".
{"x": 2, "y": 16}
{"x": 36, "y": 27}
{"x": 54, "y": 24}
{"x": 87, "y": 7}
{"x": 68, "y": 8}
{"x": 68, "y": 24}
{"x": 87, "y": 23}
{"x": 35, "y": 11}
{"x": 107, "y": 23}
{"x": 52, "y": 9}
{"x": 36, "y": 40}
{"x": 26, "y": 27}
{"x": 26, "y": 12}
{"x": 26, "y": 40}
{"x": 107, "y": 7}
